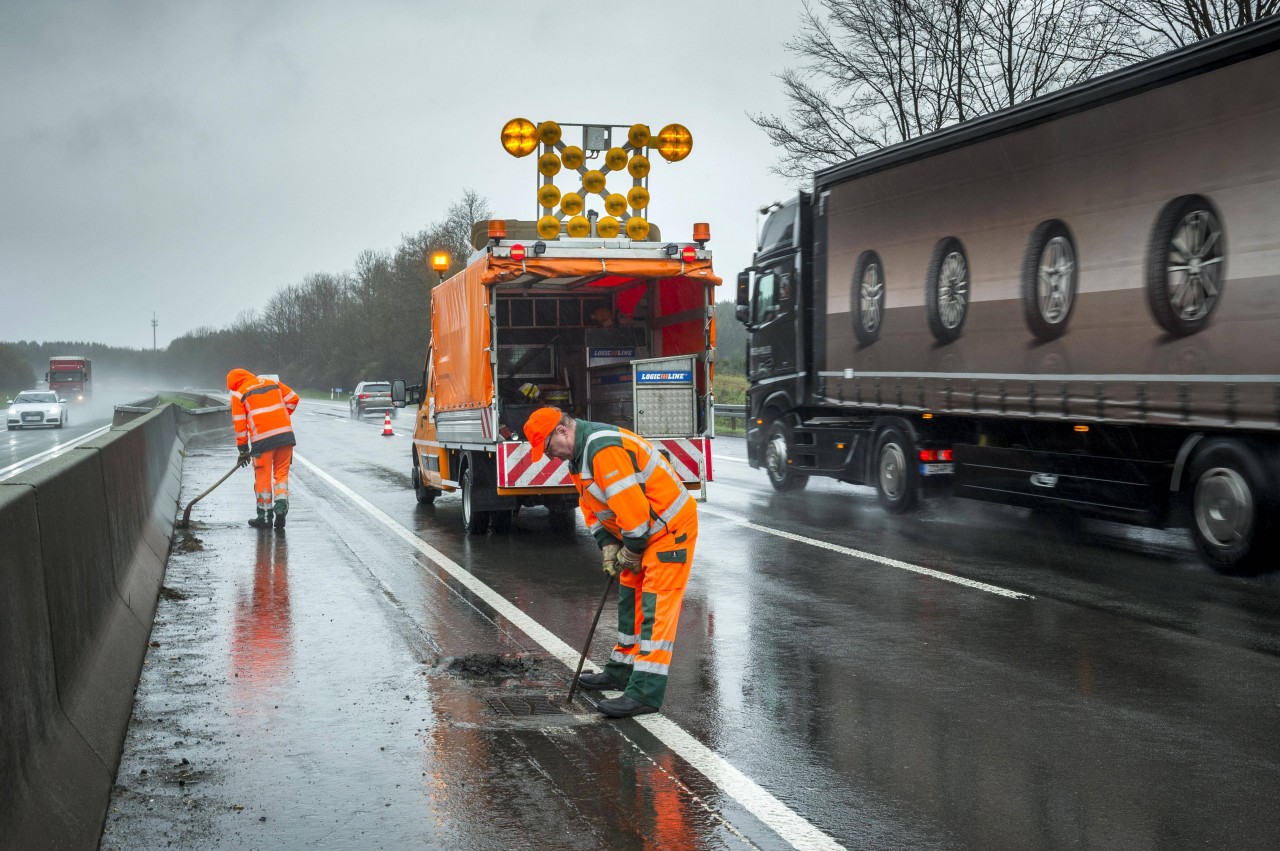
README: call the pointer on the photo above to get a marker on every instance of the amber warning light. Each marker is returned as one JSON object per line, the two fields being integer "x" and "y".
{"x": 440, "y": 261}
{"x": 497, "y": 229}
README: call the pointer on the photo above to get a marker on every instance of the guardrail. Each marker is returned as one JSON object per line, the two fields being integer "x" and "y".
{"x": 732, "y": 413}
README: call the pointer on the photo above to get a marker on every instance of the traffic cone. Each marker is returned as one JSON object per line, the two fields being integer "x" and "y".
{"x": 386, "y": 426}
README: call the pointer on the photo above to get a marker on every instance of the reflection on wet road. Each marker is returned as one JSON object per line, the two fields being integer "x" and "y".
{"x": 964, "y": 677}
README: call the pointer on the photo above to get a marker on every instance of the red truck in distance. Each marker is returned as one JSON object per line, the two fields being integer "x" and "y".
{"x": 70, "y": 376}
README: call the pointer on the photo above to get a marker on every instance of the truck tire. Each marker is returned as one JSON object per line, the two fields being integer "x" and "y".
{"x": 421, "y": 492}
{"x": 1186, "y": 263}
{"x": 947, "y": 290}
{"x": 1050, "y": 280}
{"x": 777, "y": 453}
{"x": 473, "y": 521}
{"x": 502, "y": 521}
{"x": 1233, "y": 508}
{"x": 895, "y": 474}
{"x": 868, "y": 298}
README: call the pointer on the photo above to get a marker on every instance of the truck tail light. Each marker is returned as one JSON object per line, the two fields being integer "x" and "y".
{"x": 930, "y": 455}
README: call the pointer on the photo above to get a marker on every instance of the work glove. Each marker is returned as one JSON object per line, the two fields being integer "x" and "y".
{"x": 609, "y": 558}
{"x": 243, "y": 460}
{"x": 629, "y": 560}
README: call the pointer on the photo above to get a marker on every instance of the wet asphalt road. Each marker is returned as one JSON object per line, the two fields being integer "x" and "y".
{"x": 1047, "y": 686}
{"x": 23, "y": 445}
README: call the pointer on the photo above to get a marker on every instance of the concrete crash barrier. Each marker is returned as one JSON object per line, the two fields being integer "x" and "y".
{"x": 209, "y": 421}
{"x": 86, "y": 536}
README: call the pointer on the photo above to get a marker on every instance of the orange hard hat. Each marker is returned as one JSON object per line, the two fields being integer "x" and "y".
{"x": 538, "y": 428}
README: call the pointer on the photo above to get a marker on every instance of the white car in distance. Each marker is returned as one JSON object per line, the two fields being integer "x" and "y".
{"x": 33, "y": 408}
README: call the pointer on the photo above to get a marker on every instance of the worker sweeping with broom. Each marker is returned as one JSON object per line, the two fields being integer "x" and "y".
{"x": 646, "y": 524}
{"x": 260, "y": 412}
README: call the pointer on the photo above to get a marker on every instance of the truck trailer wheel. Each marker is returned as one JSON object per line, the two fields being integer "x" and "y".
{"x": 946, "y": 290}
{"x": 475, "y": 522}
{"x": 1049, "y": 280}
{"x": 896, "y": 476}
{"x": 1233, "y": 508}
{"x": 1186, "y": 265}
{"x": 777, "y": 454}
{"x": 868, "y": 297}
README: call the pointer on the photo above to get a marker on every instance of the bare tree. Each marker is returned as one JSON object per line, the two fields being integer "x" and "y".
{"x": 1177, "y": 23}
{"x": 876, "y": 73}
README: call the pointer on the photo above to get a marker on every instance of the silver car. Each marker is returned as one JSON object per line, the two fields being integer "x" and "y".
{"x": 37, "y": 408}
{"x": 371, "y": 396}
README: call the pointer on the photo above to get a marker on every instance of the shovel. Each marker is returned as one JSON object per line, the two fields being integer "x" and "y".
{"x": 186, "y": 515}
{"x": 586, "y": 647}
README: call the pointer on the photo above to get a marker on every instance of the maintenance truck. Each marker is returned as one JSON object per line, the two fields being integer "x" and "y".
{"x": 70, "y": 376}
{"x": 566, "y": 311}
{"x": 1071, "y": 305}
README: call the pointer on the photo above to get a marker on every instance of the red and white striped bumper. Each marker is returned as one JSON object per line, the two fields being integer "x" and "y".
{"x": 690, "y": 456}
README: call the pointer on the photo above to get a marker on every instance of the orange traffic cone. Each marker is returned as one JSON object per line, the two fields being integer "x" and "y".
{"x": 386, "y": 426}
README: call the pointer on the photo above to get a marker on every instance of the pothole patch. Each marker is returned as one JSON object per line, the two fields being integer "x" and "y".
{"x": 522, "y": 705}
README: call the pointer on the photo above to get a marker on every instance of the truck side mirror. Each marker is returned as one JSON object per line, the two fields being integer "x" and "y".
{"x": 397, "y": 392}
{"x": 413, "y": 395}
{"x": 743, "y": 311}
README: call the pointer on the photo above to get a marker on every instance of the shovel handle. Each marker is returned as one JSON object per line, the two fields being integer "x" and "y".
{"x": 586, "y": 645}
{"x": 186, "y": 515}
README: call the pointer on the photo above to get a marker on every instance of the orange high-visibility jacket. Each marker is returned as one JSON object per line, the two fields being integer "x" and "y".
{"x": 628, "y": 491}
{"x": 260, "y": 411}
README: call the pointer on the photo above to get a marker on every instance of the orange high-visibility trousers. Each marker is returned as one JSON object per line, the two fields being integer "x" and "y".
{"x": 271, "y": 479}
{"x": 649, "y": 605}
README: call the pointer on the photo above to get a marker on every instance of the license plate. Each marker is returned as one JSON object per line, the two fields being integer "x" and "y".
{"x": 32, "y": 418}
{"x": 937, "y": 469}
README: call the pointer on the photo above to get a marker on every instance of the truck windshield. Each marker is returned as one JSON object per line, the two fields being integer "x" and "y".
{"x": 765, "y": 305}
{"x": 66, "y": 376}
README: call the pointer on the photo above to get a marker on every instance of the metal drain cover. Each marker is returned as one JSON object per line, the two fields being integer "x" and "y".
{"x": 522, "y": 706}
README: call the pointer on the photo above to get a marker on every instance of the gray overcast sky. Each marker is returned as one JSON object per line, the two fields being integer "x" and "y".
{"x": 191, "y": 158}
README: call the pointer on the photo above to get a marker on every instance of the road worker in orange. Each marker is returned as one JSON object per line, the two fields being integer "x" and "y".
{"x": 260, "y": 412}
{"x": 646, "y": 524}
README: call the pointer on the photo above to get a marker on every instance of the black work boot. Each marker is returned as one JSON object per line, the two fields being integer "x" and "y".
{"x": 262, "y": 521}
{"x": 282, "y": 508}
{"x": 624, "y": 707}
{"x": 598, "y": 682}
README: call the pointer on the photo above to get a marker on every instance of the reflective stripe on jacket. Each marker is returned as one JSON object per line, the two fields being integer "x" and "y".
{"x": 260, "y": 413}
{"x": 627, "y": 490}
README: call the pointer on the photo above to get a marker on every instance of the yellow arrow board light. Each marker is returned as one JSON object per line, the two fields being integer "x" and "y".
{"x": 593, "y": 181}
{"x": 548, "y": 164}
{"x": 637, "y": 228}
{"x": 578, "y": 227}
{"x": 573, "y": 157}
{"x": 571, "y": 203}
{"x": 615, "y": 159}
{"x": 638, "y": 197}
{"x": 548, "y": 133}
{"x": 638, "y": 135}
{"x": 674, "y": 142}
{"x": 608, "y": 227}
{"x": 548, "y": 227}
{"x": 615, "y": 205}
{"x": 638, "y": 167}
{"x": 519, "y": 137}
{"x": 548, "y": 195}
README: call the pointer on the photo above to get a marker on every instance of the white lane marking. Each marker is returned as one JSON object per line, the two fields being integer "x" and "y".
{"x": 730, "y": 458}
{"x": 757, "y": 800}
{"x": 40, "y": 457}
{"x": 866, "y": 556}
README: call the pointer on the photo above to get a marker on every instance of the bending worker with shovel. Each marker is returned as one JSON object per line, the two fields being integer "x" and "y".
{"x": 646, "y": 524}
{"x": 260, "y": 412}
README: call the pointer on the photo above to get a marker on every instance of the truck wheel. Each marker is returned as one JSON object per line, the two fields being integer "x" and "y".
{"x": 1233, "y": 508}
{"x": 475, "y": 522}
{"x": 896, "y": 476}
{"x": 421, "y": 492}
{"x": 868, "y": 297}
{"x": 1049, "y": 280}
{"x": 946, "y": 290}
{"x": 1186, "y": 265}
{"x": 777, "y": 454}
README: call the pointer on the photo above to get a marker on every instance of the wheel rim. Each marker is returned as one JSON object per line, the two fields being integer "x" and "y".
{"x": 872, "y": 291}
{"x": 1194, "y": 267}
{"x": 953, "y": 290}
{"x": 892, "y": 471}
{"x": 466, "y": 498}
{"x": 1223, "y": 506}
{"x": 776, "y": 457}
{"x": 1054, "y": 286}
